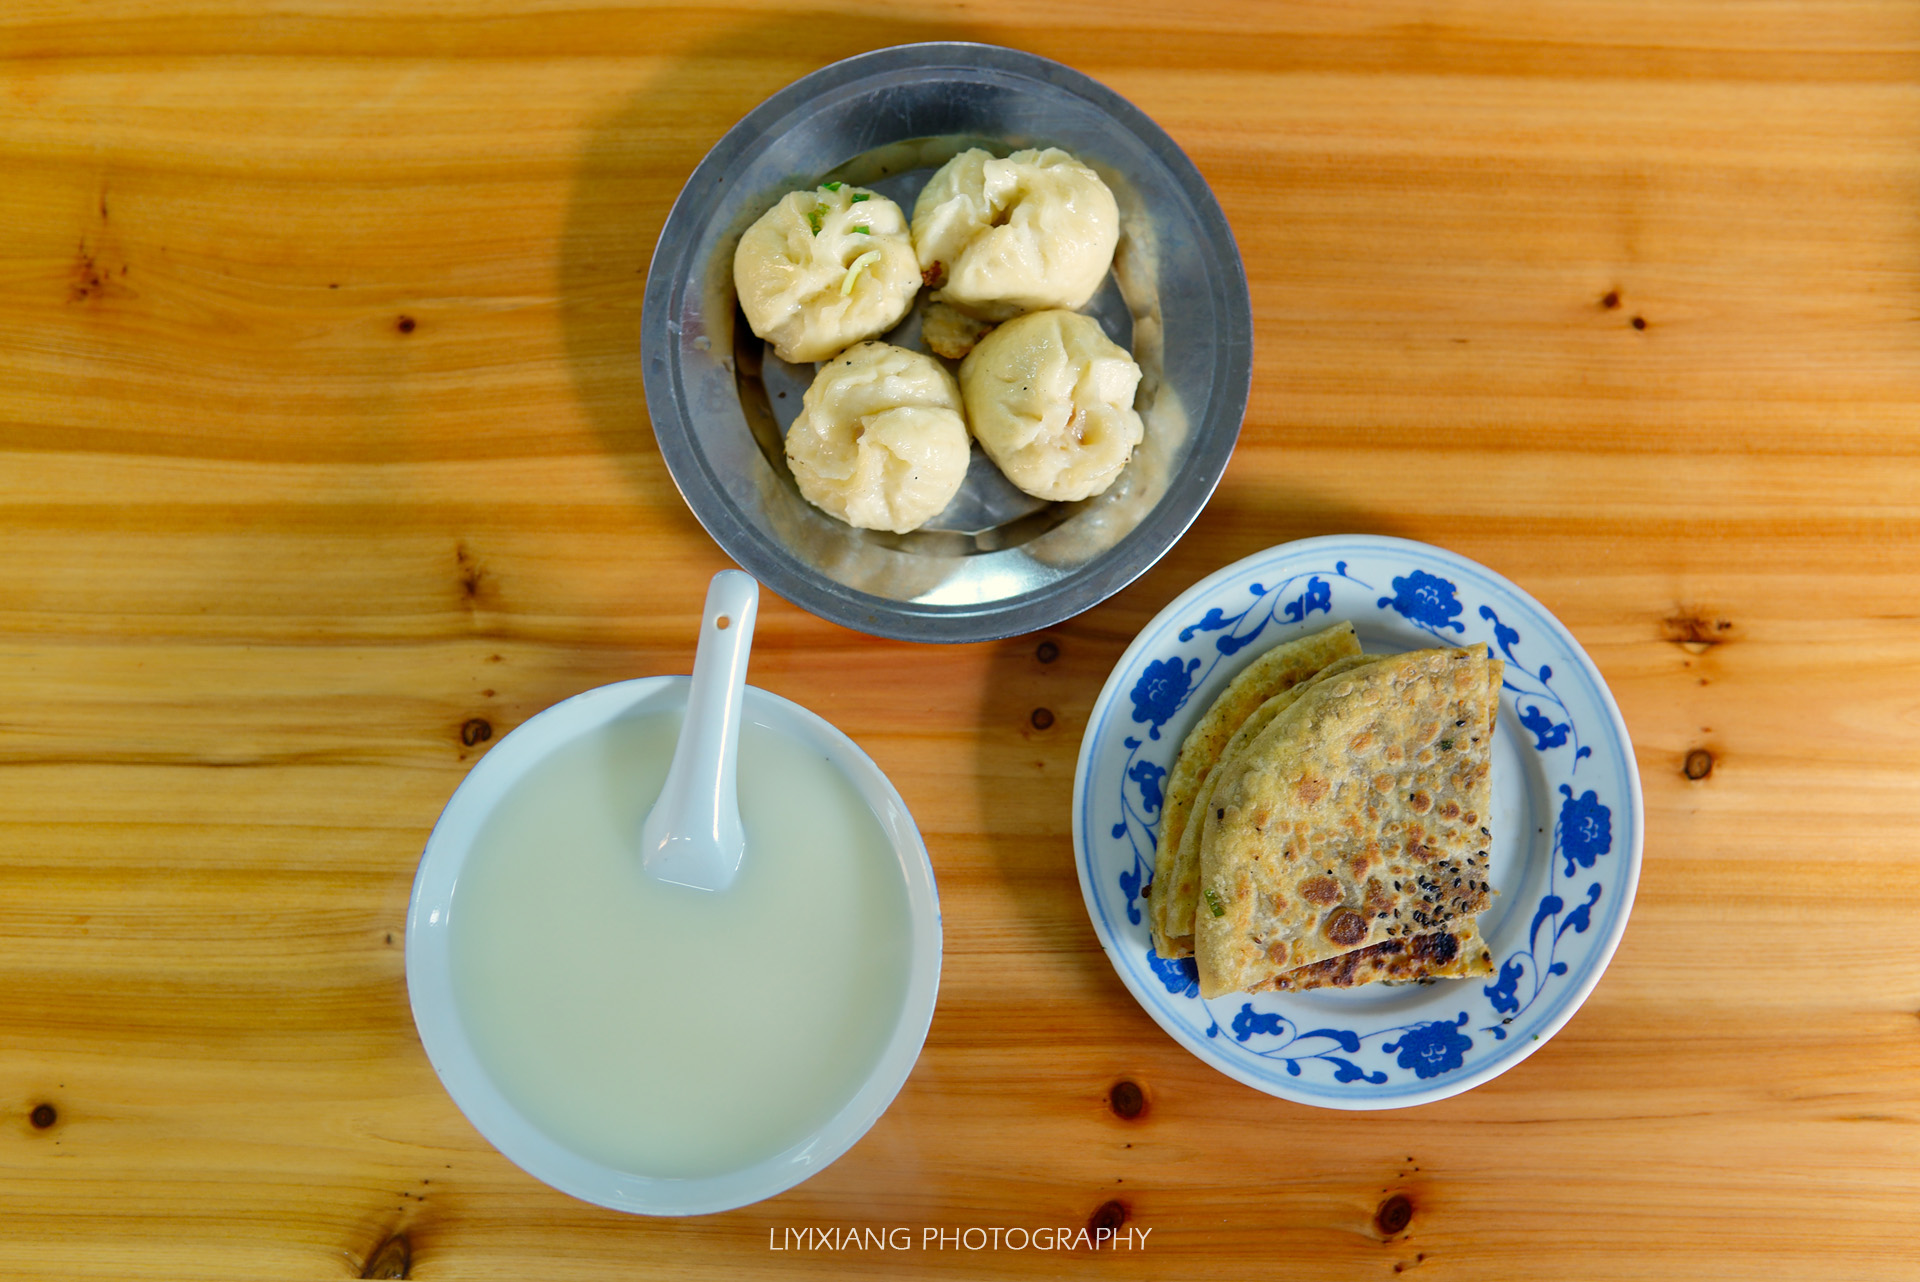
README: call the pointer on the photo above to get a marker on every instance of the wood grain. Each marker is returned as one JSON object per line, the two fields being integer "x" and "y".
{"x": 322, "y": 438}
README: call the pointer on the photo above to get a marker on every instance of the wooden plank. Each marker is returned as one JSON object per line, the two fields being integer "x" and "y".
{"x": 322, "y": 439}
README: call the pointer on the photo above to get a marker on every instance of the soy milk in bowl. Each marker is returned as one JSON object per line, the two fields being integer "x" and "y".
{"x": 648, "y": 1046}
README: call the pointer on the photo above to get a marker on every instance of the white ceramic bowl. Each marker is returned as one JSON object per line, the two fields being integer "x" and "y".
{"x": 437, "y": 1014}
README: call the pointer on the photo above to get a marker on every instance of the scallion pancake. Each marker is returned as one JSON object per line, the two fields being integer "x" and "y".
{"x": 1455, "y": 953}
{"x": 1357, "y": 816}
{"x": 1280, "y": 668}
{"x": 1180, "y": 887}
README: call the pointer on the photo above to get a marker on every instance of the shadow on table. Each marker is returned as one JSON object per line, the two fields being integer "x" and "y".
{"x": 636, "y": 158}
{"x": 1039, "y": 694}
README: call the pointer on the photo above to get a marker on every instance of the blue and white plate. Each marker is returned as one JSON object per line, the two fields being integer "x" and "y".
{"x": 1567, "y": 823}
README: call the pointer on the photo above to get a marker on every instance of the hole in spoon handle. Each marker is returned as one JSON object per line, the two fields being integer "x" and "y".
{"x": 723, "y": 623}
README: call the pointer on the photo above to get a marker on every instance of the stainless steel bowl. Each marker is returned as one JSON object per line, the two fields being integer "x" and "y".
{"x": 996, "y": 562}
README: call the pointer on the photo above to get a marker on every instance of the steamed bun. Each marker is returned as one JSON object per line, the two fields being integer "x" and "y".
{"x": 880, "y": 441}
{"x": 1050, "y": 398}
{"x": 1033, "y": 231}
{"x": 825, "y": 268}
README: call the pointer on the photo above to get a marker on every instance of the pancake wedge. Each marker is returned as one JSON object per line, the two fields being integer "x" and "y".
{"x": 1357, "y": 816}
{"x": 1455, "y": 953}
{"x": 1181, "y": 886}
{"x": 1281, "y": 668}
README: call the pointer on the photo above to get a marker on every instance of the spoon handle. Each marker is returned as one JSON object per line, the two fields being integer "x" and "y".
{"x": 699, "y": 806}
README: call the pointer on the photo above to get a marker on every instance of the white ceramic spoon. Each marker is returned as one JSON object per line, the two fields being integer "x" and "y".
{"x": 692, "y": 836}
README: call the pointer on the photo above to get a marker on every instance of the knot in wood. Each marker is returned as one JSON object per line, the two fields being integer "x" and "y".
{"x": 393, "y": 1258}
{"x": 1110, "y": 1216}
{"x": 1394, "y": 1215}
{"x": 1127, "y": 1099}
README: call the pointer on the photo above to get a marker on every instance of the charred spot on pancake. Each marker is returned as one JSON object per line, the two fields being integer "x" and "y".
{"x": 1438, "y": 949}
{"x": 1420, "y": 802}
{"x": 1311, "y": 790}
{"x": 1322, "y": 891}
{"x": 1277, "y": 952}
{"x": 1448, "y": 810}
{"x": 1346, "y": 927}
{"x": 1343, "y": 970}
{"x": 1360, "y": 742}
{"x": 1358, "y": 866}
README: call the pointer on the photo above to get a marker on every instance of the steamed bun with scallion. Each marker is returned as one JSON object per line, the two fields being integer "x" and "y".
{"x": 1033, "y": 231}
{"x": 1050, "y": 398}
{"x": 824, "y": 269}
{"x": 880, "y": 442}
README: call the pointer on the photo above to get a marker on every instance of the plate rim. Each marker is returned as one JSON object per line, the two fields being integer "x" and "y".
{"x": 1574, "y": 997}
{"x": 1056, "y": 599}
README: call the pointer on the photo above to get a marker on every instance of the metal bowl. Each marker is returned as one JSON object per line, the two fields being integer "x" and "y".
{"x": 996, "y": 562}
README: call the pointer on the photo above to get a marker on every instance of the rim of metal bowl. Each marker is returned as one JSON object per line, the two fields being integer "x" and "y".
{"x": 670, "y": 273}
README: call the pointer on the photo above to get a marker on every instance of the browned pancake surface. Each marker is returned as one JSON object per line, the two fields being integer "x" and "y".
{"x": 1356, "y": 817}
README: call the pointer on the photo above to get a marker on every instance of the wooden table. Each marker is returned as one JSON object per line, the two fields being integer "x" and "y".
{"x": 323, "y": 460}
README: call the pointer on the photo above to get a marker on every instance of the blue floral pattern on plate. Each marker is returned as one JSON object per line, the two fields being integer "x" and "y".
{"x": 1567, "y": 795}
